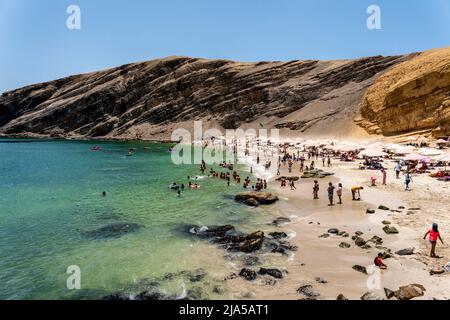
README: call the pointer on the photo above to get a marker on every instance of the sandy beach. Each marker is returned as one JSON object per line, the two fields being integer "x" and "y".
{"x": 321, "y": 263}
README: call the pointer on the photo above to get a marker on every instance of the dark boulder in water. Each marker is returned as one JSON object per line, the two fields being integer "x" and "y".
{"x": 115, "y": 230}
{"x": 244, "y": 243}
{"x": 278, "y": 235}
{"x": 249, "y": 260}
{"x": 256, "y": 198}
{"x": 211, "y": 231}
{"x": 280, "y": 221}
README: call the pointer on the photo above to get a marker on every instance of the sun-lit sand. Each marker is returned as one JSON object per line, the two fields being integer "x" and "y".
{"x": 323, "y": 258}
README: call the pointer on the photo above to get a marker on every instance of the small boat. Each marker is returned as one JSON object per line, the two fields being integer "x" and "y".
{"x": 96, "y": 148}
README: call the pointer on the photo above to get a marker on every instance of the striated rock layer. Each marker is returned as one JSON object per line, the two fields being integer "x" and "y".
{"x": 413, "y": 95}
{"x": 150, "y": 99}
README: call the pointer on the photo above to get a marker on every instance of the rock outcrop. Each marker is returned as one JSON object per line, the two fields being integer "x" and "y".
{"x": 411, "y": 96}
{"x": 148, "y": 100}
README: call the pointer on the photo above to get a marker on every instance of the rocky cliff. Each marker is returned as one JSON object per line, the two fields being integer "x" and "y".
{"x": 411, "y": 96}
{"x": 149, "y": 99}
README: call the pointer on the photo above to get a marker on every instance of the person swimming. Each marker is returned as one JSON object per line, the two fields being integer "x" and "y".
{"x": 174, "y": 186}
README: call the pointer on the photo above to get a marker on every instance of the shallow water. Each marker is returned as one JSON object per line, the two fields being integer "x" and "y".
{"x": 50, "y": 196}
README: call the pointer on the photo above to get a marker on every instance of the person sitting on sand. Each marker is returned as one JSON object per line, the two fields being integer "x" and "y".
{"x": 339, "y": 193}
{"x": 434, "y": 235}
{"x": 316, "y": 189}
{"x": 355, "y": 190}
{"x": 331, "y": 193}
{"x": 379, "y": 262}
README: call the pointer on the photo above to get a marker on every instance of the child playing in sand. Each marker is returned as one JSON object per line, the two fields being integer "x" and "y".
{"x": 379, "y": 262}
{"x": 434, "y": 235}
{"x": 356, "y": 189}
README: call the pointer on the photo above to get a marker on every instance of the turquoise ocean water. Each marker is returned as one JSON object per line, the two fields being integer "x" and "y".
{"x": 50, "y": 195}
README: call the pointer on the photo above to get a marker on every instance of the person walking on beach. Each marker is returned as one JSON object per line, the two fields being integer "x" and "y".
{"x": 408, "y": 180}
{"x": 398, "y": 168}
{"x": 329, "y": 161}
{"x": 331, "y": 193}
{"x": 434, "y": 235}
{"x": 323, "y": 161}
{"x": 355, "y": 190}
{"x": 339, "y": 193}
{"x": 316, "y": 189}
{"x": 383, "y": 172}
{"x": 292, "y": 184}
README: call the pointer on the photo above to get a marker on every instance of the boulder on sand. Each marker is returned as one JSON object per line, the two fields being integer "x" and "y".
{"x": 316, "y": 173}
{"x": 370, "y": 211}
{"x": 341, "y": 297}
{"x": 271, "y": 272}
{"x": 389, "y": 293}
{"x": 333, "y": 230}
{"x": 248, "y": 274}
{"x": 256, "y": 198}
{"x": 344, "y": 245}
{"x": 410, "y": 291}
{"x": 370, "y": 296}
{"x": 405, "y": 252}
{"x": 308, "y": 291}
{"x": 390, "y": 229}
{"x": 381, "y": 207}
{"x": 360, "y": 268}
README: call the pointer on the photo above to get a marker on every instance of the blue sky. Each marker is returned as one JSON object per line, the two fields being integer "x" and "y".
{"x": 36, "y": 46}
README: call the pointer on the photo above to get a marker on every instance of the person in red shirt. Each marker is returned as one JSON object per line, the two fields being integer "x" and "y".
{"x": 434, "y": 235}
{"x": 379, "y": 262}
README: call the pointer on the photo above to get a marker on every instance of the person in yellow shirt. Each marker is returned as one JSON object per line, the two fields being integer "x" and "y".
{"x": 356, "y": 190}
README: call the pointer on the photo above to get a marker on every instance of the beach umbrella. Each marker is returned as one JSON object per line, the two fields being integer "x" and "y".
{"x": 376, "y": 146}
{"x": 414, "y": 157}
{"x": 445, "y": 157}
{"x": 373, "y": 152}
{"x": 429, "y": 152}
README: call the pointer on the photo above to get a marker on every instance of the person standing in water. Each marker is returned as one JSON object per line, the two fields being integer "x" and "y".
{"x": 339, "y": 193}
{"x": 434, "y": 235}
{"x": 331, "y": 193}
